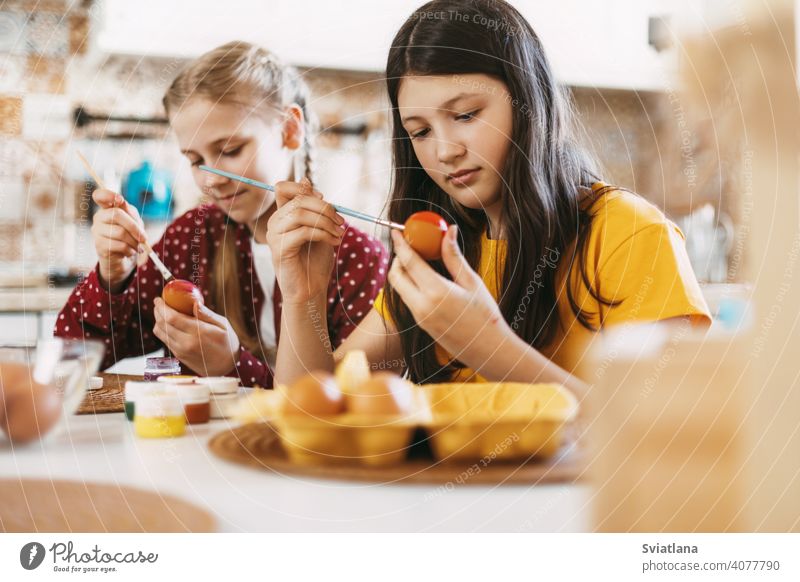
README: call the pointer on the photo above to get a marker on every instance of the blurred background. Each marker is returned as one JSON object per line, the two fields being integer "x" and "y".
{"x": 90, "y": 75}
{"x": 691, "y": 103}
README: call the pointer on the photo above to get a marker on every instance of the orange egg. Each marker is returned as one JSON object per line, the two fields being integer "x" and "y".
{"x": 383, "y": 394}
{"x": 181, "y": 295}
{"x": 424, "y": 231}
{"x": 31, "y": 409}
{"x": 315, "y": 394}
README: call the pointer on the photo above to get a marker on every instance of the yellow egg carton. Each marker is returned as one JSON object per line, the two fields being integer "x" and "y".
{"x": 350, "y": 438}
{"x": 464, "y": 421}
{"x": 473, "y": 422}
{"x": 500, "y": 421}
{"x": 345, "y": 439}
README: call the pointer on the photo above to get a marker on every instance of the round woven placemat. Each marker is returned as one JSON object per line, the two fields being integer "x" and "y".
{"x": 31, "y": 505}
{"x": 109, "y": 398}
{"x": 258, "y": 445}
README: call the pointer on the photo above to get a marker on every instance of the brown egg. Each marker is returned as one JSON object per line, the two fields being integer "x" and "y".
{"x": 383, "y": 394}
{"x": 315, "y": 394}
{"x": 31, "y": 409}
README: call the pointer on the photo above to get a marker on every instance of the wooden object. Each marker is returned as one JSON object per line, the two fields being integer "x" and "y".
{"x": 665, "y": 441}
{"x": 109, "y": 398}
{"x": 700, "y": 434}
{"x": 257, "y": 445}
{"x": 29, "y": 505}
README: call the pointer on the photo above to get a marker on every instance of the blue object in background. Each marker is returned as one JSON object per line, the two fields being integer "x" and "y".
{"x": 150, "y": 191}
{"x": 733, "y": 313}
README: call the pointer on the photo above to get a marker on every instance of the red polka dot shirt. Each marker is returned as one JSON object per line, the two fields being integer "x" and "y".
{"x": 125, "y": 320}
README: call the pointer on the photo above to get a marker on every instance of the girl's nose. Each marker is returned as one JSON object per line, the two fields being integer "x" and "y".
{"x": 215, "y": 180}
{"x": 449, "y": 151}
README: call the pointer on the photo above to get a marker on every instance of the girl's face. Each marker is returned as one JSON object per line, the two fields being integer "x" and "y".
{"x": 235, "y": 139}
{"x": 460, "y": 128}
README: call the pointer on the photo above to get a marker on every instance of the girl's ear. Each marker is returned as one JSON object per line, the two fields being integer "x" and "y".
{"x": 293, "y": 127}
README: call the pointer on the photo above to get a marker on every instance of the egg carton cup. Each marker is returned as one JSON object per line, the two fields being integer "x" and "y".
{"x": 497, "y": 421}
{"x": 371, "y": 440}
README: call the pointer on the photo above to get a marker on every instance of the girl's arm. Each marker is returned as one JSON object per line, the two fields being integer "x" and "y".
{"x": 502, "y": 356}
{"x": 512, "y": 360}
{"x": 305, "y": 343}
{"x": 105, "y": 305}
{"x": 124, "y": 317}
{"x": 304, "y": 233}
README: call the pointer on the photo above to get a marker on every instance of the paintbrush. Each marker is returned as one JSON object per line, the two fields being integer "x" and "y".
{"x": 150, "y": 252}
{"x": 339, "y": 209}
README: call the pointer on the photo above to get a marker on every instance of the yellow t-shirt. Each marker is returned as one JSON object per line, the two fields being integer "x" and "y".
{"x": 634, "y": 254}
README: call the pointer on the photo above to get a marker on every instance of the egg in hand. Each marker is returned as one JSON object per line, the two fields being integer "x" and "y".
{"x": 182, "y": 295}
{"x": 425, "y": 231}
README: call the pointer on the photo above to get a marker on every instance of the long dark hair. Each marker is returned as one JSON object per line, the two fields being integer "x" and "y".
{"x": 546, "y": 177}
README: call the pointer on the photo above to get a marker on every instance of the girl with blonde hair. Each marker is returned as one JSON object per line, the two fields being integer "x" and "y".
{"x": 237, "y": 108}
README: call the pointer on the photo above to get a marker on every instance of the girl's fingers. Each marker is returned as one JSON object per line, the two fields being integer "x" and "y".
{"x": 316, "y": 205}
{"x": 107, "y": 247}
{"x": 303, "y": 217}
{"x": 403, "y": 284}
{"x": 116, "y": 232}
{"x": 175, "y": 339}
{"x": 414, "y": 265}
{"x": 454, "y": 260}
{"x": 302, "y": 235}
{"x": 130, "y": 223}
{"x": 203, "y": 313}
{"x": 285, "y": 192}
{"x": 158, "y": 309}
{"x": 135, "y": 215}
{"x": 172, "y": 319}
{"x": 118, "y": 217}
{"x": 308, "y": 189}
{"x": 107, "y": 199}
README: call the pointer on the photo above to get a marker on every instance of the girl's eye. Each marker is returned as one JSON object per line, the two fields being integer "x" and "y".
{"x": 468, "y": 116}
{"x": 420, "y": 134}
{"x": 232, "y": 152}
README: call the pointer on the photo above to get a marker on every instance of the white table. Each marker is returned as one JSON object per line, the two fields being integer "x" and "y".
{"x": 103, "y": 448}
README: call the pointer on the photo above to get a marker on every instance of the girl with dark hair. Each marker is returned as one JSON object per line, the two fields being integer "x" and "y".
{"x": 541, "y": 254}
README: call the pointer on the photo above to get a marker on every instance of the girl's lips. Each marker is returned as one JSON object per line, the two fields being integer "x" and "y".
{"x": 228, "y": 199}
{"x": 464, "y": 178}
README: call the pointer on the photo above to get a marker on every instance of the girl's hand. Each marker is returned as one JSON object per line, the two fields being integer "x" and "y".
{"x": 457, "y": 314}
{"x": 117, "y": 231}
{"x": 302, "y": 234}
{"x": 206, "y": 342}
